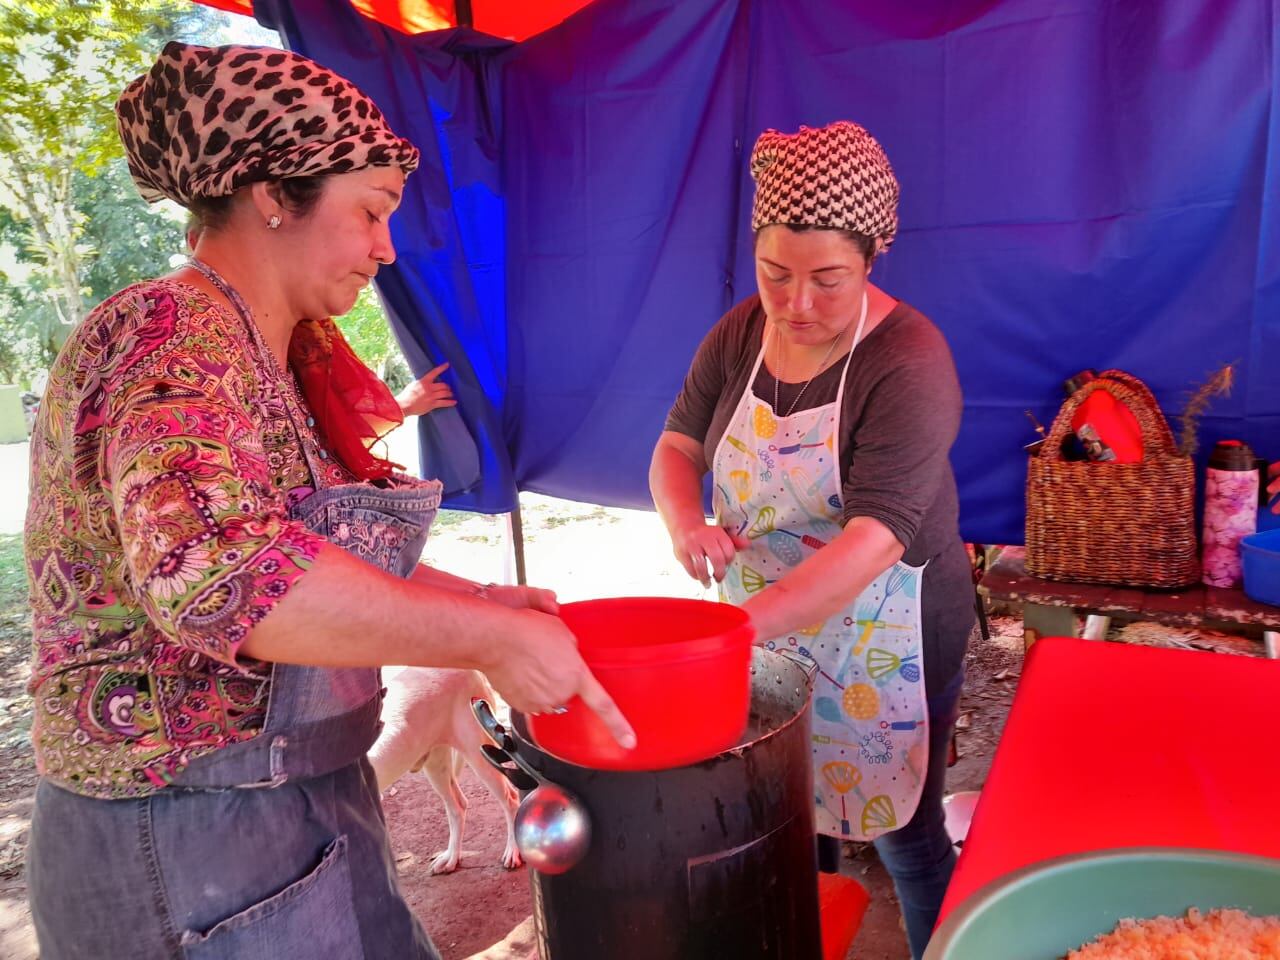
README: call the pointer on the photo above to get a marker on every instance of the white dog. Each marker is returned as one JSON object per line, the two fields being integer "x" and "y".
{"x": 429, "y": 726}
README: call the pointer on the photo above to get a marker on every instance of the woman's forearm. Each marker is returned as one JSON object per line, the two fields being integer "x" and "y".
{"x": 827, "y": 581}
{"x": 432, "y": 577}
{"x": 348, "y": 613}
{"x": 345, "y": 612}
{"x": 675, "y": 482}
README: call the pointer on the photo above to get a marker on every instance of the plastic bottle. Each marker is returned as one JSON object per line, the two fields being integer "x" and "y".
{"x": 1230, "y": 510}
{"x": 1106, "y": 428}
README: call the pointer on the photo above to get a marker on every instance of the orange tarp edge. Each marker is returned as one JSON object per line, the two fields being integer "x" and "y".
{"x": 516, "y": 19}
{"x": 407, "y": 16}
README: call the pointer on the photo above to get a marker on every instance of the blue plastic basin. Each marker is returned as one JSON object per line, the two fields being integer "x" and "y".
{"x": 1260, "y": 557}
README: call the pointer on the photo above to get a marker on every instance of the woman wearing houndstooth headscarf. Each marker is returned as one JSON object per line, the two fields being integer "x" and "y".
{"x": 221, "y": 562}
{"x": 824, "y": 409}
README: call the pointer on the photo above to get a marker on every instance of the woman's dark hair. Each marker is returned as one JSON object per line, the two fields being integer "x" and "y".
{"x": 865, "y": 243}
{"x": 299, "y": 195}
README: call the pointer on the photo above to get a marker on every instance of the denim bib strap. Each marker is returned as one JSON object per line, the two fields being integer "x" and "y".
{"x": 387, "y": 528}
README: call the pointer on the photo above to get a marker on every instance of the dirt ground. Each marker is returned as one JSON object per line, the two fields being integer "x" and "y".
{"x": 482, "y": 910}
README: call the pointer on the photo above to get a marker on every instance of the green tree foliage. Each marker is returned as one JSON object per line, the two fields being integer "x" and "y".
{"x": 127, "y": 239}
{"x": 366, "y": 328}
{"x": 18, "y": 349}
{"x": 63, "y": 63}
{"x": 122, "y": 240}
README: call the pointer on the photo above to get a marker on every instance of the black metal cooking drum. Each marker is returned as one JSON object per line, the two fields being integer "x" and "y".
{"x": 712, "y": 860}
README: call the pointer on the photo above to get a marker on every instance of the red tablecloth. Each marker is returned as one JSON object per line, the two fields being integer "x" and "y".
{"x": 1109, "y": 745}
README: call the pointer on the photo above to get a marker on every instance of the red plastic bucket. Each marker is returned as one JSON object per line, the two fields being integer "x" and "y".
{"x": 680, "y": 671}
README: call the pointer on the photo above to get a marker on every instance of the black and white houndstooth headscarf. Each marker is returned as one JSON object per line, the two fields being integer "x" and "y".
{"x": 835, "y": 176}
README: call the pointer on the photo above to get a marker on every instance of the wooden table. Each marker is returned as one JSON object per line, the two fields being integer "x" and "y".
{"x": 1051, "y": 606}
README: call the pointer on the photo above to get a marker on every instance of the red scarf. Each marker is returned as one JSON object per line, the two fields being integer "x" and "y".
{"x": 352, "y": 407}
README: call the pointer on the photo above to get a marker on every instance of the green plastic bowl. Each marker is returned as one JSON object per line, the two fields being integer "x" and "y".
{"x": 1046, "y": 910}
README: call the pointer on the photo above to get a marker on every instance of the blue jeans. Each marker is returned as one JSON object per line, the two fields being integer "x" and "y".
{"x": 919, "y": 856}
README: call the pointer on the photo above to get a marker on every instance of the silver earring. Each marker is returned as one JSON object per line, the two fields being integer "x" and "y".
{"x": 274, "y": 222}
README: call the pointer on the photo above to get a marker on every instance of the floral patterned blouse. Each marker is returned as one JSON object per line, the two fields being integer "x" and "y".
{"x": 163, "y": 464}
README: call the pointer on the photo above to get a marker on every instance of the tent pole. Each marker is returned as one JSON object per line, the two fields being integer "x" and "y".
{"x": 515, "y": 535}
{"x": 462, "y": 14}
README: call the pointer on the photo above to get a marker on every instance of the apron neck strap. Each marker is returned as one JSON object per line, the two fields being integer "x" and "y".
{"x": 844, "y": 375}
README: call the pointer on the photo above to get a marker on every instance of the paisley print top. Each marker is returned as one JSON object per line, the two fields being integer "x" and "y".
{"x": 163, "y": 464}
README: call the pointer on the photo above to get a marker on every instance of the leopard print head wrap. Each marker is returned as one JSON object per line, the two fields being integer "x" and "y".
{"x": 205, "y": 121}
{"x": 835, "y": 176}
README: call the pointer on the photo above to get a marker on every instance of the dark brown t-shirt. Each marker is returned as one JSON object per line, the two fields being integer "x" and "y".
{"x": 900, "y": 415}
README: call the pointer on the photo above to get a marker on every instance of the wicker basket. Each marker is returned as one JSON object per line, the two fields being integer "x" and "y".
{"x": 1122, "y": 523}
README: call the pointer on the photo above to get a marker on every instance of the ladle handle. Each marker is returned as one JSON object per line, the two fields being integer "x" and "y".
{"x": 484, "y": 713}
{"x": 499, "y": 759}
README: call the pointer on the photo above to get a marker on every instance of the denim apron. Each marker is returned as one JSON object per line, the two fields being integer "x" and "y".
{"x": 323, "y": 718}
{"x": 271, "y": 848}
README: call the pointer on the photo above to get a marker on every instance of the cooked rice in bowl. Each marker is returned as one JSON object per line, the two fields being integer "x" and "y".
{"x": 1217, "y": 935}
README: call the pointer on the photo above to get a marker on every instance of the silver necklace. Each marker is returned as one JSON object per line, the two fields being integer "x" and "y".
{"x": 796, "y": 402}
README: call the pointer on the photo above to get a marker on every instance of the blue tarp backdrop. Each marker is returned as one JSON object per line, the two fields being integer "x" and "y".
{"x": 1084, "y": 183}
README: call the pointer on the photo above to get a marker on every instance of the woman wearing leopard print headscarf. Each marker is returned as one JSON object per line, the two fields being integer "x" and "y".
{"x": 219, "y": 560}
{"x": 824, "y": 409}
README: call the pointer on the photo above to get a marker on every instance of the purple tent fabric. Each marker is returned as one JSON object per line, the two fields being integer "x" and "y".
{"x": 1083, "y": 184}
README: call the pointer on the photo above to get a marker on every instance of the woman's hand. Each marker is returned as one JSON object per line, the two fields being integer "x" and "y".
{"x": 538, "y": 669}
{"x": 675, "y": 480}
{"x": 520, "y": 598}
{"x": 426, "y": 394}
{"x": 706, "y": 547}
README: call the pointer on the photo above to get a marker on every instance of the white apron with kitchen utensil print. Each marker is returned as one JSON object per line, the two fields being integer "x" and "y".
{"x": 778, "y": 482}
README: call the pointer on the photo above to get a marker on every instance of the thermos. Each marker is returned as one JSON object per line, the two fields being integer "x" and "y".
{"x": 1230, "y": 510}
{"x": 1107, "y": 430}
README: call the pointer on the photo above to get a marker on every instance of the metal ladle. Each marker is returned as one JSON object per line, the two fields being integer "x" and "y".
{"x": 553, "y": 830}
